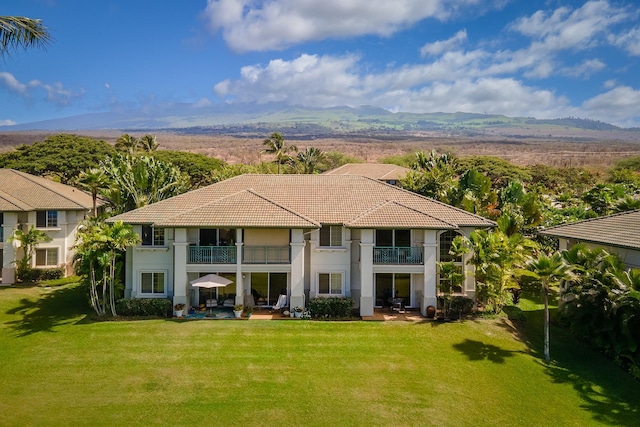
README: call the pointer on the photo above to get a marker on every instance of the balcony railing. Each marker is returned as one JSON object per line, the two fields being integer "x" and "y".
{"x": 212, "y": 255}
{"x": 266, "y": 255}
{"x": 229, "y": 255}
{"x": 398, "y": 256}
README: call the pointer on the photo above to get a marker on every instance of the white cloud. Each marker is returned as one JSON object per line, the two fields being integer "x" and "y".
{"x": 629, "y": 41}
{"x": 620, "y": 105}
{"x": 436, "y": 48}
{"x": 107, "y": 86}
{"x": 7, "y": 123}
{"x": 584, "y": 69}
{"x": 11, "y": 83}
{"x": 55, "y": 93}
{"x": 254, "y": 25}
{"x": 202, "y": 103}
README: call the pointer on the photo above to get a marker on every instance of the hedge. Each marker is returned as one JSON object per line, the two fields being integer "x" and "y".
{"x": 156, "y": 307}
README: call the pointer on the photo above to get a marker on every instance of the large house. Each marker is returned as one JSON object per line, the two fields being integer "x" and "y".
{"x": 57, "y": 209}
{"x": 618, "y": 233}
{"x": 299, "y": 235}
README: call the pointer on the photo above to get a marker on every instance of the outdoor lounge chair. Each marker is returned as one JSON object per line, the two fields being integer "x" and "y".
{"x": 281, "y": 303}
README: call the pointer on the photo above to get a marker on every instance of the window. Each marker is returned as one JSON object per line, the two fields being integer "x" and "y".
{"x": 330, "y": 283}
{"x": 393, "y": 238}
{"x": 152, "y": 236}
{"x": 46, "y": 257}
{"x": 46, "y": 219}
{"x": 446, "y": 239}
{"x": 152, "y": 282}
{"x": 217, "y": 237}
{"x": 331, "y": 235}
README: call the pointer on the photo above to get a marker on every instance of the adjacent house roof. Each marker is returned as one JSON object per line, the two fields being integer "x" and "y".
{"x": 21, "y": 191}
{"x": 621, "y": 230}
{"x": 302, "y": 201}
{"x": 383, "y": 172}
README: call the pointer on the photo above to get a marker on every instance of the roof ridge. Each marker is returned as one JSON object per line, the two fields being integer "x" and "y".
{"x": 395, "y": 202}
{"x": 30, "y": 177}
{"x": 438, "y": 202}
{"x": 288, "y": 209}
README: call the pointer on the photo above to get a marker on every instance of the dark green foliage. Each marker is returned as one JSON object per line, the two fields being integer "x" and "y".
{"x": 155, "y": 307}
{"x": 500, "y": 171}
{"x": 199, "y": 167}
{"x": 63, "y": 156}
{"x": 603, "y": 306}
{"x": 331, "y": 308}
{"x": 31, "y": 275}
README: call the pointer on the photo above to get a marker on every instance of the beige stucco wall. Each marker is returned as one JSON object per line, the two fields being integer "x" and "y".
{"x": 266, "y": 237}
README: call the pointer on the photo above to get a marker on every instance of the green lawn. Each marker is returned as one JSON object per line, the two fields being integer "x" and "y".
{"x": 57, "y": 367}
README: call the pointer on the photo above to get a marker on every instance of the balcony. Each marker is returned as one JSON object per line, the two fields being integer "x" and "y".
{"x": 398, "y": 256}
{"x": 229, "y": 255}
{"x": 266, "y": 255}
{"x": 212, "y": 255}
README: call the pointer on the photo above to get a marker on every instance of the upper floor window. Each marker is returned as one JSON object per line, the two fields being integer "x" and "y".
{"x": 446, "y": 239}
{"x": 46, "y": 219}
{"x": 331, "y": 235}
{"x": 152, "y": 236}
{"x": 393, "y": 238}
{"x": 217, "y": 237}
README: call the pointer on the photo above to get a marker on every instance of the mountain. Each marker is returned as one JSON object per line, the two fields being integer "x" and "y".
{"x": 313, "y": 122}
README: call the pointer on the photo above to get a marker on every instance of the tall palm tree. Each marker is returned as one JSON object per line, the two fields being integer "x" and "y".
{"x": 93, "y": 180}
{"x": 275, "y": 145}
{"x": 548, "y": 271}
{"x": 20, "y": 32}
{"x": 310, "y": 159}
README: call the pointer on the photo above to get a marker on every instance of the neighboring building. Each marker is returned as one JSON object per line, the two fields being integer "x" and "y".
{"x": 28, "y": 200}
{"x": 390, "y": 174}
{"x": 618, "y": 233}
{"x": 300, "y": 235}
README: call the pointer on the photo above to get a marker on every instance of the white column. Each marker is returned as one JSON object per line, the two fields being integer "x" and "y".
{"x": 297, "y": 268}
{"x": 9, "y": 252}
{"x": 180, "y": 282}
{"x": 430, "y": 258}
{"x": 366, "y": 273}
{"x": 240, "y": 291}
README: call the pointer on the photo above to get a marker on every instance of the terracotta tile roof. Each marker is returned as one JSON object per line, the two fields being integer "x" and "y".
{"x": 396, "y": 215}
{"x": 621, "y": 230}
{"x": 256, "y": 212}
{"x": 21, "y": 191}
{"x": 379, "y": 171}
{"x": 319, "y": 199}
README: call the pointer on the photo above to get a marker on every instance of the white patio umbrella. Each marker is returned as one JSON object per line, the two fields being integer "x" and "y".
{"x": 210, "y": 281}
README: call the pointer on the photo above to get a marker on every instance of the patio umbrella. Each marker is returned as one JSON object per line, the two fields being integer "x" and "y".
{"x": 210, "y": 281}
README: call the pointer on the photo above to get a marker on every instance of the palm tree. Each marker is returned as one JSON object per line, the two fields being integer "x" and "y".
{"x": 93, "y": 180}
{"x": 148, "y": 143}
{"x": 548, "y": 271}
{"x": 98, "y": 246}
{"x": 27, "y": 241}
{"x": 20, "y": 32}
{"x": 275, "y": 145}
{"x": 127, "y": 144}
{"x": 310, "y": 158}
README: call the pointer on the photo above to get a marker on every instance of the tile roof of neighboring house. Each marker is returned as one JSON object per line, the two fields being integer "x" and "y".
{"x": 303, "y": 201}
{"x": 622, "y": 230}
{"x": 21, "y": 191}
{"x": 371, "y": 170}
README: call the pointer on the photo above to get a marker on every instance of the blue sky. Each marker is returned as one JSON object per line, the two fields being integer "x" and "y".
{"x": 542, "y": 59}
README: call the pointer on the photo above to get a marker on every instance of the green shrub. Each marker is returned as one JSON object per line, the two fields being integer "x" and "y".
{"x": 62, "y": 281}
{"x": 331, "y": 308}
{"x": 156, "y": 307}
{"x": 462, "y": 305}
{"x": 30, "y": 275}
